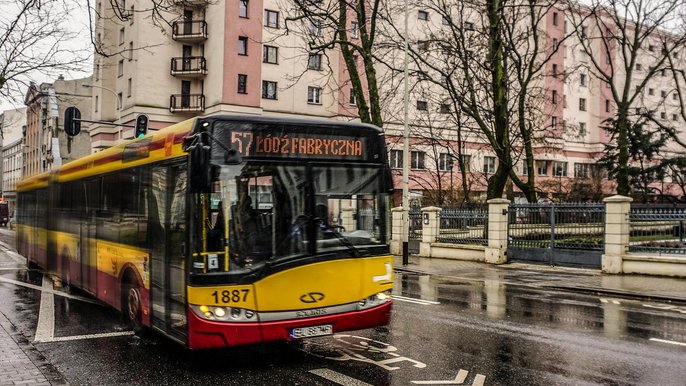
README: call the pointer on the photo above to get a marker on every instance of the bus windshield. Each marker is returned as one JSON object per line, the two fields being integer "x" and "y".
{"x": 260, "y": 211}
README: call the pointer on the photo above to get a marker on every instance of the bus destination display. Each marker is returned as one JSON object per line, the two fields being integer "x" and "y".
{"x": 297, "y": 145}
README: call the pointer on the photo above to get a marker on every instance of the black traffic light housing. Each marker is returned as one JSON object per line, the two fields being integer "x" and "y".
{"x": 72, "y": 121}
{"x": 141, "y": 126}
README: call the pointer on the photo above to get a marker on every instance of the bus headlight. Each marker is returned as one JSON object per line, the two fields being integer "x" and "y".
{"x": 224, "y": 314}
{"x": 374, "y": 300}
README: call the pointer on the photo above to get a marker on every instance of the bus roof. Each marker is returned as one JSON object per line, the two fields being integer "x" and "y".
{"x": 156, "y": 146}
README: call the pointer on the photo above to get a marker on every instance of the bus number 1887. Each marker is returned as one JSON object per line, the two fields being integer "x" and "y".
{"x": 233, "y": 296}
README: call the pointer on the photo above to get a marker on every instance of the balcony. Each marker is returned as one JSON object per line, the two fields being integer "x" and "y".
{"x": 187, "y": 103}
{"x": 190, "y": 31}
{"x": 192, "y": 3}
{"x": 189, "y": 66}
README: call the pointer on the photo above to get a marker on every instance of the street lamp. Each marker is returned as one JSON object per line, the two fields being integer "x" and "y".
{"x": 116, "y": 96}
{"x": 406, "y": 145}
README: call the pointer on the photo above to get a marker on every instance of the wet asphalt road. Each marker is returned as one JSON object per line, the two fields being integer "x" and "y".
{"x": 470, "y": 332}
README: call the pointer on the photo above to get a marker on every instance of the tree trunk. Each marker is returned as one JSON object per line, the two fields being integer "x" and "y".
{"x": 623, "y": 187}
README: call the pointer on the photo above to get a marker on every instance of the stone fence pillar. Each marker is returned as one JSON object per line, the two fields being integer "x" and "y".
{"x": 431, "y": 224}
{"x": 617, "y": 210}
{"x": 348, "y": 219}
{"x": 397, "y": 228}
{"x": 496, "y": 251}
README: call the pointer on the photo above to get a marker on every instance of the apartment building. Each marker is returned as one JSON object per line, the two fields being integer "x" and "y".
{"x": 236, "y": 57}
{"x": 12, "y": 125}
{"x": 213, "y": 58}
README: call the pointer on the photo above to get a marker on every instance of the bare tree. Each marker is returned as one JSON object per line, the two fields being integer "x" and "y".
{"x": 490, "y": 59}
{"x": 629, "y": 43}
{"x": 35, "y": 41}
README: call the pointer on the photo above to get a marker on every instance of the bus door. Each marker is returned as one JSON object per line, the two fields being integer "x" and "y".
{"x": 167, "y": 240}
{"x": 87, "y": 237}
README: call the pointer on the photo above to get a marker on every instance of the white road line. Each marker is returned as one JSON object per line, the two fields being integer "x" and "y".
{"x": 413, "y": 300}
{"x": 338, "y": 378}
{"x": 479, "y": 380}
{"x": 48, "y": 290}
{"x": 45, "y": 329}
{"x": 89, "y": 336}
{"x": 668, "y": 341}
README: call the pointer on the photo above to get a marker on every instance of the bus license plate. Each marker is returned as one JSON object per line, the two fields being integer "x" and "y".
{"x": 307, "y": 332}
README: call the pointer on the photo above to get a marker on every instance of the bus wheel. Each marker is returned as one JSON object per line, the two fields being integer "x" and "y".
{"x": 131, "y": 305}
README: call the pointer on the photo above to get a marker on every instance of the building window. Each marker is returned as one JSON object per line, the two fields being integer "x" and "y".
{"x": 555, "y": 70}
{"x": 129, "y": 86}
{"x": 120, "y": 68}
{"x": 268, "y": 89}
{"x": 559, "y": 169}
{"x": 120, "y": 97}
{"x": 396, "y": 159}
{"x": 270, "y": 54}
{"x": 417, "y": 160}
{"x": 121, "y": 36}
{"x": 582, "y": 104}
{"x": 555, "y": 44}
{"x": 242, "y": 83}
{"x": 582, "y": 129}
{"x": 555, "y": 21}
{"x": 422, "y": 105}
{"x": 445, "y": 162}
{"x": 675, "y": 117}
{"x": 582, "y": 80}
{"x": 651, "y": 91}
{"x": 315, "y": 27}
{"x": 468, "y": 26}
{"x": 663, "y": 115}
{"x": 314, "y": 62}
{"x": 97, "y": 103}
{"x": 130, "y": 51}
{"x": 553, "y": 121}
{"x": 584, "y": 31}
{"x": 675, "y": 96}
{"x": 525, "y": 168}
{"x": 352, "y": 100}
{"x": 639, "y": 67}
{"x": 489, "y": 165}
{"x": 651, "y": 48}
{"x": 354, "y": 31}
{"x": 663, "y": 72}
{"x": 242, "y": 45}
{"x": 554, "y": 97}
{"x": 423, "y": 15}
{"x": 243, "y": 8}
{"x": 542, "y": 168}
{"x": 582, "y": 170}
{"x": 445, "y": 108}
{"x": 422, "y": 45}
{"x": 663, "y": 94}
{"x": 271, "y": 19}
{"x": 607, "y": 105}
{"x": 445, "y": 20}
{"x": 314, "y": 95}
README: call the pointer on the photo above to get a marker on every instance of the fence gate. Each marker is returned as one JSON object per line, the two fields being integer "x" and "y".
{"x": 557, "y": 233}
{"x": 415, "y": 233}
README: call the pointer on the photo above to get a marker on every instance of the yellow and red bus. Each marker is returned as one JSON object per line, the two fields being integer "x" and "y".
{"x": 223, "y": 230}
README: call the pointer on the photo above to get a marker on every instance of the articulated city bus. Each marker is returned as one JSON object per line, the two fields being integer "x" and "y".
{"x": 223, "y": 230}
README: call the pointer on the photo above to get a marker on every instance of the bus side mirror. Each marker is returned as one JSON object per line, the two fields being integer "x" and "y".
{"x": 200, "y": 168}
{"x": 232, "y": 157}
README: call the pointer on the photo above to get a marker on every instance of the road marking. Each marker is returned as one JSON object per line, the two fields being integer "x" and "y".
{"x": 609, "y": 301}
{"x": 49, "y": 290}
{"x": 668, "y": 341}
{"x": 89, "y": 336}
{"x": 338, "y": 378}
{"x": 413, "y": 300}
{"x": 45, "y": 328}
{"x": 459, "y": 380}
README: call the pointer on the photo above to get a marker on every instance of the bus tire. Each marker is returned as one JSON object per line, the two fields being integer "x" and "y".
{"x": 131, "y": 303}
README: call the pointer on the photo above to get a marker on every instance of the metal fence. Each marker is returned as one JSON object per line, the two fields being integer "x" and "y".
{"x": 464, "y": 225}
{"x": 657, "y": 229}
{"x": 557, "y": 225}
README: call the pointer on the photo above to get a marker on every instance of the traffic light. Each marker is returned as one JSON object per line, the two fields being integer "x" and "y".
{"x": 72, "y": 121}
{"x": 141, "y": 126}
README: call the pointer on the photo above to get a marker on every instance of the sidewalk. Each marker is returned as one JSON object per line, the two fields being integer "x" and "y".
{"x": 554, "y": 277}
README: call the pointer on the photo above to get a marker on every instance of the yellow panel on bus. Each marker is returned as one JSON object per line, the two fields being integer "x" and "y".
{"x": 113, "y": 258}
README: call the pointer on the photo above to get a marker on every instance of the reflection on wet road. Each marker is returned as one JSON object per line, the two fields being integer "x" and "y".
{"x": 468, "y": 331}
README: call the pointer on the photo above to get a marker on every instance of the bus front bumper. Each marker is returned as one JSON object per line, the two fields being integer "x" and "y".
{"x": 204, "y": 334}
